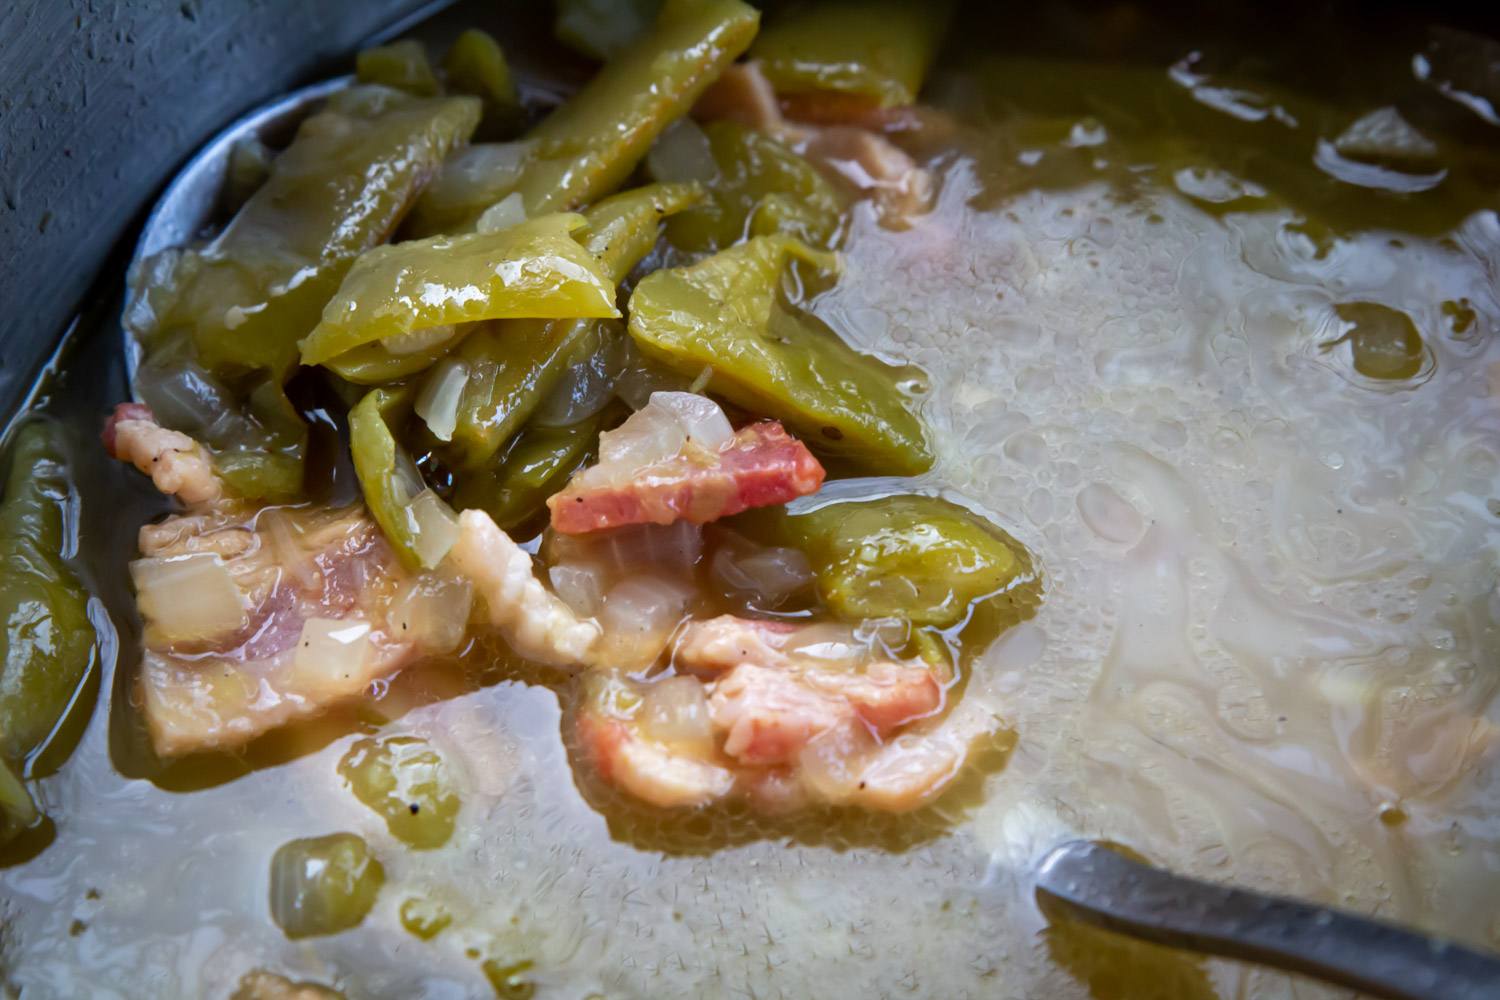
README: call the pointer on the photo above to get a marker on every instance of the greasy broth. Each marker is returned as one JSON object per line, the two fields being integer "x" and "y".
{"x": 1266, "y": 652}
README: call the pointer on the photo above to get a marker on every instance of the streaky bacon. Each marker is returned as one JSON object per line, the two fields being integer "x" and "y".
{"x": 123, "y": 411}
{"x": 760, "y": 466}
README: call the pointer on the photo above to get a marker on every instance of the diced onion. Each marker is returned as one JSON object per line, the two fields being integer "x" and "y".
{"x": 331, "y": 653}
{"x": 674, "y": 711}
{"x": 772, "y": 574}
{"x": 580, "y": 586}
{"x": 639, "y": 616}
{"x": 432, "y": 611}
{"x": 401, "y": 344}
{"x": 682, "y": 153}
{"x": 833, "y": 762}
{"x": 188, "y": 597}
{"x": 650, "y": 435}
{"x": 434, "y": 527}
{"x": 503, "y": 214}
{"x": 673, "y": 548}
{"x": 437, "y": 402}
{"x": 702, "y": 421}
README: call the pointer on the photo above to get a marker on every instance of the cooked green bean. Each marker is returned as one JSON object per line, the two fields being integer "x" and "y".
{"x": 475, "y": 64}
{"x": 323, "y": 885}
{"x": 403, "y": 65}
{"x": 762, "y": 181}
{"x": 920, "y": 558}
{"x": 418, "y": 524}
{"x": 514, "y": 365}
{"x": 588, "y": 146}
{"x": 406, "y": 782}
{"x": 876, "y": 50}
{"x": 45, "y": 632}
{"x": 724, "y": 315}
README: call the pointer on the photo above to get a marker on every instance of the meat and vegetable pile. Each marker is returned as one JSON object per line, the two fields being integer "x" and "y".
{"x": 566, "y": 356}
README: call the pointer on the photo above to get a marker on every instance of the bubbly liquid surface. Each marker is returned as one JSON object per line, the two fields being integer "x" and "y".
{"x": 1266, "y": 652}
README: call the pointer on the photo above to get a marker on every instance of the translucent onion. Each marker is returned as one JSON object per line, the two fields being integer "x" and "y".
{"x": 503, "y": 214}
{"x": 330, "y": 652}
{"x": 674, "y": 711}
{"x": 702, "y": 421}
{"x": 434, "y": 527}
{"x": 682, "y": 153}
{"x": 437, "y": 402}
{"x": 401, "y": 344}
{"x": 580, "y": 586}
{"x": 771, "y": 574}
{"x": 650, "y": 435}
{"x": 188, "y": 597}
{"x": 638, "y": 619}
{"x": 432, "y": 611}
{"x": 673, "y": 548}
{"x": 833, "y": 762}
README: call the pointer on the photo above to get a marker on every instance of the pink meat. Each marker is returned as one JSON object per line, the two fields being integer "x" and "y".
{"x": 124, "y": 411}
{"x": 761, "y": 465}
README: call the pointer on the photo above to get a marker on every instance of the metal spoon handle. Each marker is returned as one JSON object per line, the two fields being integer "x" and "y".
{"x": 1102, "y": 887}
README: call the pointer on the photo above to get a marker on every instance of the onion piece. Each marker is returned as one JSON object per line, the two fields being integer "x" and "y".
{"x": 331, "y": 652}
{"x": 437, "y": 402}
{"x": 434, "y": 527}
{"x": 650, "y": 435}
{"x": 638, "y": 619}
{"x": 833, "y": 762}
{"x": 771, "y": 574}
{"x": 674, "y": 711}
{"x": 431, "y": 610}
{"x": 682, "y": 153}
{"x": 702, "y": 421}
{"x": 580, "y": 586}
{"x": 188, "y": 597}
{"x": 503, "y": 214}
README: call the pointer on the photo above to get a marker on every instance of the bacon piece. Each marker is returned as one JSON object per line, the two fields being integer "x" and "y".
{"x": 648, "y": 770}
{"x": 177, "y": 465}
{"x": 761, "y": 465}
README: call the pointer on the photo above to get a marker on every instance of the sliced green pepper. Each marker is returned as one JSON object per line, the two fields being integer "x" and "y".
{"x": 514, "y": 365}
{"x": 390, "y": 359}
{"x": 47, "y": 639}
{"x": 419, "y": 526}
{"x": 590, "y": 144}
{"x": 403, "y": 65}
{"x": 514, "y": 490}
{"x": 880, "y": 50}
{"x": 601, "y": 28}
{"x": 339, "y": 188}
{"x": 323, "y": 885}
{"x": 920, "y": 558}
{"x": 475, "y": 64}
{"x": 761, "y": 180}
{"x": 408, "y": 784}
{"x": 531, "y": 269}
{"x": 724, "y": 315}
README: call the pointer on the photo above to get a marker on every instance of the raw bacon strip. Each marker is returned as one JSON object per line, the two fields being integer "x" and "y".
{"x": 759, "y": 466}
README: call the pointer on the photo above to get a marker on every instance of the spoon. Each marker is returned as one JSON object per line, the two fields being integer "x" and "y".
{"x": 1093, "y": 884}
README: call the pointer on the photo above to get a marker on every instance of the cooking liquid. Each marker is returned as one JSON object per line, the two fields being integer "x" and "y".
{"x": 1266, "y": 653}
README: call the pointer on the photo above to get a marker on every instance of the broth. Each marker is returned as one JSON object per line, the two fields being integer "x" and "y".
{"x": 1265, "y": 655}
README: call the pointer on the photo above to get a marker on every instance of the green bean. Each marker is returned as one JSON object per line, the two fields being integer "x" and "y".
{"x": 475, "y": 64}
{"x": 760, "y": 180}
{"x": 45, "y": 632}
{"x": 534, "y": 269}
{"x": 724, "y": 315}
{"x": 393, "y": 487}
{"x": 923, "y": 559}
{"x": 402, "y": 65}
{"x": 588, "y": 146}
{"x": 406, "y": 782}
{"x": 514, "y": 365}
{"x": 339, "y": 188}
{"x": 323, "y": 885}
{"x": 876, "y": 50}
